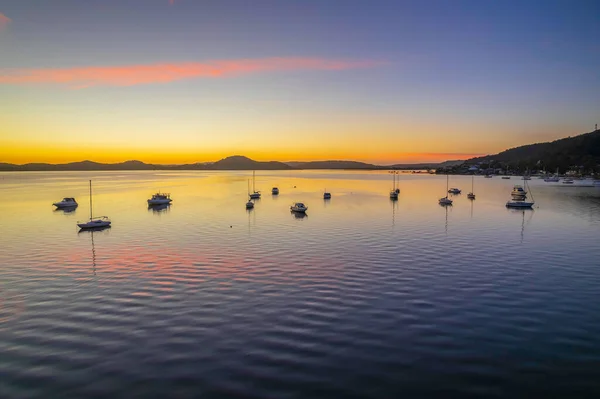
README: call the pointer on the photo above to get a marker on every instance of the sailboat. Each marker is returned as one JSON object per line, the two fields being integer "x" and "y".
{"x": 471, "y": 195}
{"x": 249, "y": 204}
{"x": 255, "y": 194}
{"x": 521, "y": 201}
{"x": 94, "y": 222}
{"x": 445, "y": 200}
{"x": 553, "y": 179}
{"x": 395, "y": 190}
{"x": 326, "y": 195}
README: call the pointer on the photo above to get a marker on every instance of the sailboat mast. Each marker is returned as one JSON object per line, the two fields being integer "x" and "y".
{"x": 447, "y": 184}
{"x": 254, "y": 181}
{"x": 90, "y": 200}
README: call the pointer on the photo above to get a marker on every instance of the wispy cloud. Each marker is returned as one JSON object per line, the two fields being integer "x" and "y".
{"x": 4, "y": 21}
{"x": 129, "y": 75}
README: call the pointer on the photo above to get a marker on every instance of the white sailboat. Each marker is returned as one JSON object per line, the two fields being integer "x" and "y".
{"x": 395, "y": 190}
{"x": 255, "y": 194}
{"x": 94, "y": 222}
{"x": 249, "y": 204}
{"x": 471, "y": 195}
{"x": 553, "y": 179}
{"x": 445, "y": 200}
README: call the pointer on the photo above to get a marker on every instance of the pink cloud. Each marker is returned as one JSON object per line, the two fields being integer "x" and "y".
{"x": 129, "y": 75}
{"x": 4, "y": 21}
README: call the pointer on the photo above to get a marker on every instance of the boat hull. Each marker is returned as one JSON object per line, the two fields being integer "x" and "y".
{"x": 66, "y": 204}
{"x": 519, "y": 204}
{"x": 94, "y": 224}
{"x": 255, "y": 195}
{"x": 159, "y": 201}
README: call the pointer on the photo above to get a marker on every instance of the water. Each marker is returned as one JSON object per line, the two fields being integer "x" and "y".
{"x": 363, "y": 297}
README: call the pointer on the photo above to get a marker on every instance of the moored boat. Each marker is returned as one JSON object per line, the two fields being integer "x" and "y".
{"x": 67, "y": 202}
{"x": 299, "y": 207}
{"x": 160, "y": 199}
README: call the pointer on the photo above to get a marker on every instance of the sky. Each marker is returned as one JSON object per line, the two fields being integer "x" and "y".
{"x": 182, "y": 81}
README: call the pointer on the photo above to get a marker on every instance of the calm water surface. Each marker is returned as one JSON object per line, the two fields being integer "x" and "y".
{"x": 363, "y": 297}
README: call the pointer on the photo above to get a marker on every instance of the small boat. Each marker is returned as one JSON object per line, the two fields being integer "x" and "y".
{"x": 568, "y": 181}
{"x": 255, "y": 194}
{"x": 506, "y": 177}
{"x": 519, "y": 204}
{"x": 445, "y": 200}
{"x": 299, "y": 207}
{"x": 488, "y": 176}
{"x": 553, "y": 179}
{"x": 395, "y": 190}
{"x": 454, "y": 191}
{"x": 471, "y": 195}
{"x": 275, "y": 191}
{"x": 526, "y": 178}
{"x": 94, "y": 222}
{"x": 160, "y": 199}
{"x": 66, "y": 203}
{"x": 326, "y": 195}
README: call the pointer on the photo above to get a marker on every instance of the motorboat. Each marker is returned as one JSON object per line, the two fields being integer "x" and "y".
{"x": 299, "y": 207}
{"x": 445, "y": 200}
{"x": 519, "y": 204}
{"x": 553, "y": 179}
{"x": 67, "y": 202}
{"x": 326, "y": 195}
{"x": 254, "y": 194}
{"x": 568, "y": 181}
{"x": 505, "y": 177}
{"x": 160, "y": 199}
{"x": 488, "y": 176}
{"x": 454, "y": 191}
{"x": 275, "y": 191}
{"x": 94, "y": 222}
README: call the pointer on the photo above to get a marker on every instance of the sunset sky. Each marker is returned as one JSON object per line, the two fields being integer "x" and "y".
{"x": 179, "y": 81}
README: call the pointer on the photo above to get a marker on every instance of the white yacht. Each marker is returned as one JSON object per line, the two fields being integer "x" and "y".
{"x": 445, "y": 200}
{"x": 160, "y": 199}
{"x": 275, "y": 191}
{"x": 67, "y": 202}
{"x": 94, "y": 222}
{"x": 568, "y": 181}
{"x": 299, "y": 207}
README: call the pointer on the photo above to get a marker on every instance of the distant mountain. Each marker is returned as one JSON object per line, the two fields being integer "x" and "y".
{"x": 73, "y": 166}
{"x": 238, "y": 162}
{"x": 579, "y": 151}
{"x": 332, "y": 165}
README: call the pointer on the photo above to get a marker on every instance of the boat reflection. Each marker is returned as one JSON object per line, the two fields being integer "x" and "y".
{"x": 92, "y": 231}
{"x": 66, "y": 209}
{"x": 162, "y": 208}
{"x": 299, "y": 215}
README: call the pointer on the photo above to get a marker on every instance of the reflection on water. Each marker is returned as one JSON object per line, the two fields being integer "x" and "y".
{"x": 162, "y": 208}
{"x": 369, "y": 297}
